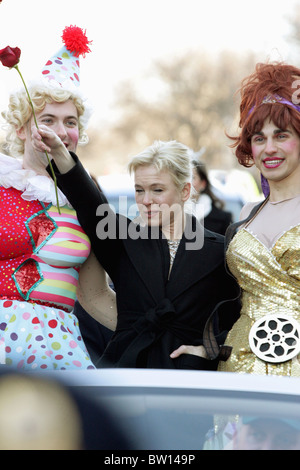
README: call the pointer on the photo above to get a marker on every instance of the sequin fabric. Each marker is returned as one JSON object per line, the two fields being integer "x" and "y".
{"x": 173, "y": 247}
{"x": 270, "y": 282}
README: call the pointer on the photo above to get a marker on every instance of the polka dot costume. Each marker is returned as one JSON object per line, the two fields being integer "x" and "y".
{"x": 37, "y": 337}
{"x": 41, "y": 252}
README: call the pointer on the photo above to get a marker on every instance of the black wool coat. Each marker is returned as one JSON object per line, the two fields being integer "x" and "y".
{"x": 156, "y": 312}
{"x": 218, "y": 220}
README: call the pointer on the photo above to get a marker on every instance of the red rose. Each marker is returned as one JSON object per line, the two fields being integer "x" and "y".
{"x": 10, "y": 56}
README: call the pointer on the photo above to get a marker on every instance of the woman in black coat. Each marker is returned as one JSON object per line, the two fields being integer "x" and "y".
{"x": 168, "y": 273}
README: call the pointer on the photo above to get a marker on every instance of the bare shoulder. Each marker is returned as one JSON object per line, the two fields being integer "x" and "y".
{"x": 247, "y": 209}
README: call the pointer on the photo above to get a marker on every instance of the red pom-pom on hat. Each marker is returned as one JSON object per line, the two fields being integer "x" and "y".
{"x": 76, "y": 40}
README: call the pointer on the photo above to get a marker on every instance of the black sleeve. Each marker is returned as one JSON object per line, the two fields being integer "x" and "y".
{"x": 229, "y": 311}
{"x": 92, "y": 209}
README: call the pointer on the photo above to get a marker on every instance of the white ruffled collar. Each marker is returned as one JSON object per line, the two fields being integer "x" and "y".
{"x": 33, "y": 186}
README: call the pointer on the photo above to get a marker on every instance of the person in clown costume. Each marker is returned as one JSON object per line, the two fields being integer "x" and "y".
{"x": 42, "y": 243}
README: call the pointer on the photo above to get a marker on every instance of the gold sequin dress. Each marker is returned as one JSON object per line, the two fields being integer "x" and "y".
{"x": 264, "y": 257}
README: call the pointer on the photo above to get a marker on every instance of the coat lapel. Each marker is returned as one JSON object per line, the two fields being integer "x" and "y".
{"x": 195, "y": 260}
{"x": 150, "y": 256}
{"x": 147, "y": 257}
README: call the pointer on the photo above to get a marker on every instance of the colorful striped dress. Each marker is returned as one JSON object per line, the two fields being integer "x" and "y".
{"x": 41, "y": 251}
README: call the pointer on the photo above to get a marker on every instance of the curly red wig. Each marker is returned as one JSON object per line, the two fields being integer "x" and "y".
{"x": 267, "y": 80}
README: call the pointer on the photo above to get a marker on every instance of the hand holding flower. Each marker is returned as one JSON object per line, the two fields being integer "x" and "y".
{"x": 45, "y": 139}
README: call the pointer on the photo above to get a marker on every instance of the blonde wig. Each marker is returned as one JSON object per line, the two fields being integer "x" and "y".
{"x": 19, "y": 111}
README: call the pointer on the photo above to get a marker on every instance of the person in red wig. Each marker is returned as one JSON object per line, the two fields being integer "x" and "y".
{"x": 263, "y": 251}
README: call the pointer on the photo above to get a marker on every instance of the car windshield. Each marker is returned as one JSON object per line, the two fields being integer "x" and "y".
{"x": 200, "y": 411}
{"x": 176, "y": 420}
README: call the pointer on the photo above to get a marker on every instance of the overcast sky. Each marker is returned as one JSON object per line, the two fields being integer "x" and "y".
{"x": 128, "y": 35}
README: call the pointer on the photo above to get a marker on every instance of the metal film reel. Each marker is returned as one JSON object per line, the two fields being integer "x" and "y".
{"x": 275, "y": 338}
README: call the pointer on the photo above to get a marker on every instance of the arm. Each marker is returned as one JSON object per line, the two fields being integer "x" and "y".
{"x": 91, "y": 206}
{"x": 45, "y": 140}
{"x": 93, "y": 291}
{"x": 95, "y": 295}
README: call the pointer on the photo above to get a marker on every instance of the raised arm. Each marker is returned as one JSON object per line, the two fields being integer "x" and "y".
{"x": 44, "y": 139}
{"x": 90, "y": 204}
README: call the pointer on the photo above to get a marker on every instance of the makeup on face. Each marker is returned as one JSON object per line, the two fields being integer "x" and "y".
{"x": 276, "y": 154}
{"x": 272, "y": 147}
{"x": 63, "y": 119}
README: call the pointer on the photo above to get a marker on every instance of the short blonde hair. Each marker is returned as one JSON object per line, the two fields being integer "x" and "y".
{"x": 19, "y": 112}
{"x": 172, "y": 156}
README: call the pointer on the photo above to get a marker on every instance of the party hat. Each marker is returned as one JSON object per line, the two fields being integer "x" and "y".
{"x": 64, "y": 66}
